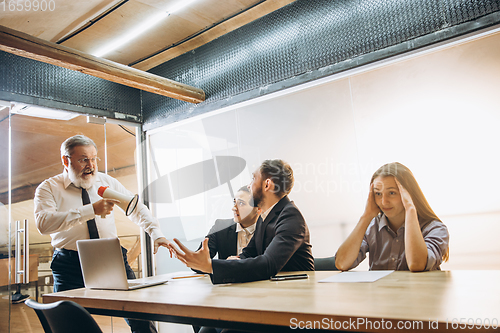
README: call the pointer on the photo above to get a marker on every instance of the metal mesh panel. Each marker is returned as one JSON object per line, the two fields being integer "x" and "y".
{"x": 460, "y": 11}
{"x": 23, "y": 76}
{"x": 298, "y": 39}
{"x": 341, "y": 33}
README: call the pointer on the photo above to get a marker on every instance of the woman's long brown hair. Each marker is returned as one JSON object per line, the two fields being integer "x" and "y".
{"x": 406, "y": 178}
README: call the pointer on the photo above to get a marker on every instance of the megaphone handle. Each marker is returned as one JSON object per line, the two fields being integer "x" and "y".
{"x": 103, "y": 216}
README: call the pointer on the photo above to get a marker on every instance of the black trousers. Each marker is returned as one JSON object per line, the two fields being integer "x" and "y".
{"x": 67, "y": 275}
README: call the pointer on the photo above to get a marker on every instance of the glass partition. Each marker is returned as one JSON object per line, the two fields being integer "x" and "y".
{"x": 193, "y": 174}
{"x": 36, "y": 136}
{"x": 436, "y": 112}
{"x": 6, "y": 234}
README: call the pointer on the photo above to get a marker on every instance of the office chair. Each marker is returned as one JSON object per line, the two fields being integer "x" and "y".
{"x": 64, "y": 317}
{"x": 325, "y": 264}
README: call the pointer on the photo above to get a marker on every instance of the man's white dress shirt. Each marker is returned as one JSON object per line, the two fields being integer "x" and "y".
{"x": 59, "y": 211}
{"x": 244, "y": 236}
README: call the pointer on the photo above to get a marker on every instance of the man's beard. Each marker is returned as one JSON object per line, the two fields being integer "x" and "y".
{"x": 78, "y": 180}
{"x": 257, "y": 197}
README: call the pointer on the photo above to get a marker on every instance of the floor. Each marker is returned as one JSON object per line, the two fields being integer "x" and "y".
{"x": 25, "y": 320}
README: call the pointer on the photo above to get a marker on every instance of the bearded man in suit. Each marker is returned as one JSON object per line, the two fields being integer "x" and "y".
{"x": 281, "y": 239}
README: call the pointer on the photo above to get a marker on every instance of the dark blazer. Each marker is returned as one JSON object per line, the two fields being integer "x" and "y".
{"x": 223, "y": 239}
{"x": 280, "y": 243}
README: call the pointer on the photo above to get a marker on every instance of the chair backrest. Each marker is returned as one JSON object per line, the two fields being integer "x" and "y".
{"x": 325, "y": 264}
{"x": 64, "y": 317}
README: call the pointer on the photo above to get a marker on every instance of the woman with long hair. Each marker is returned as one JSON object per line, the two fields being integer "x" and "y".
{"x": 398, "y": 228}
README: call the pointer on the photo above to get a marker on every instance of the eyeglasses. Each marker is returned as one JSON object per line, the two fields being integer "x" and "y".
{"x": 85, "y": 161}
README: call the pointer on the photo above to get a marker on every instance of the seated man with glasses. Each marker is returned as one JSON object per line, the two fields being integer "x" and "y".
{"x": 228, "y": 237}
{"x": 68, "y": 208}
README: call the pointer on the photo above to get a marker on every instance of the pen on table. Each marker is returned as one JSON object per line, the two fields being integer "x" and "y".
{"x": 289, "y": 277}
{"x": 187, "y": 276}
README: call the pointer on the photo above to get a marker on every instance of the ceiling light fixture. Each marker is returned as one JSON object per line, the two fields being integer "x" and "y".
{"x": 179, "y": 5}
{"x": 132, "y": 34}
{"x": 42, "y": 112}
{"x": 148, "y": 24}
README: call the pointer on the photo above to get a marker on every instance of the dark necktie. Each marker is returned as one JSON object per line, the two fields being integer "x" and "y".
{"x": 93, "y": 233}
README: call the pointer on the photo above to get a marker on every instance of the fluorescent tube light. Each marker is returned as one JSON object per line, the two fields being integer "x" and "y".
{"x": 139, "y": 30}
{"x": 180, "y": 5}
{"x": 42, "y": 112}
{"x": 132, "y": 34}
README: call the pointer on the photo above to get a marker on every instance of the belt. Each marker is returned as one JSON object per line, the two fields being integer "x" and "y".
{"x": 75, "y": 253}
{"x": 68, "y": 252}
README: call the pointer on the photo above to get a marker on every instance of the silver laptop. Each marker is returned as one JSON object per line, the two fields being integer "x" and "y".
{"x": 103, "y": 268}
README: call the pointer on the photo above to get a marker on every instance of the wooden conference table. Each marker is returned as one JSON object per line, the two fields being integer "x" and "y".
{"x": 441, "y": 301}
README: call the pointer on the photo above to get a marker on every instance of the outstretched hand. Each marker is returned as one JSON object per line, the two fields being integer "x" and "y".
{"x": 162, "y": 241}
{"x": 405, "y": 196}
{"x": 371, "y": 208}
{"x": 199, "y": 260}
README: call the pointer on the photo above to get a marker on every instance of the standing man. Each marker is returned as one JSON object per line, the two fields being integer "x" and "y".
{"x": 228, "y": 237}
{"x": 281, "y": 239}
{"x": 68, "y": 208}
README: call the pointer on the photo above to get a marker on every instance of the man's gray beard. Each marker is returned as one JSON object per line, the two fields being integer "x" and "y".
{"x": 78, "y": 181}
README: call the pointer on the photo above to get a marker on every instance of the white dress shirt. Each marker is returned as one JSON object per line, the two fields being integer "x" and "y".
{"x": 59, "y": 211}
{"x": 264, "y": 215}
{"x": 244, "y": 236}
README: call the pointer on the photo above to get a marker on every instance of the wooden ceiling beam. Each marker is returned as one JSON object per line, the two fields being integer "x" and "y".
{"x": 27, "y": 46}
{"x": 19, "y": 194}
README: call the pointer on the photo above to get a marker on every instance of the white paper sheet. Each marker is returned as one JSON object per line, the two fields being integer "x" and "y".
{"x": 370, "y": 276}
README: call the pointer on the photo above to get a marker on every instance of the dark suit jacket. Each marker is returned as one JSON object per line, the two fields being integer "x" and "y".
{"x": 223, "y": 239}
{"x": 280, "y": 243}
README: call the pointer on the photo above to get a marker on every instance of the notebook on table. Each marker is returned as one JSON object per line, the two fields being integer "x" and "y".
{"x": 103, "y": 267}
